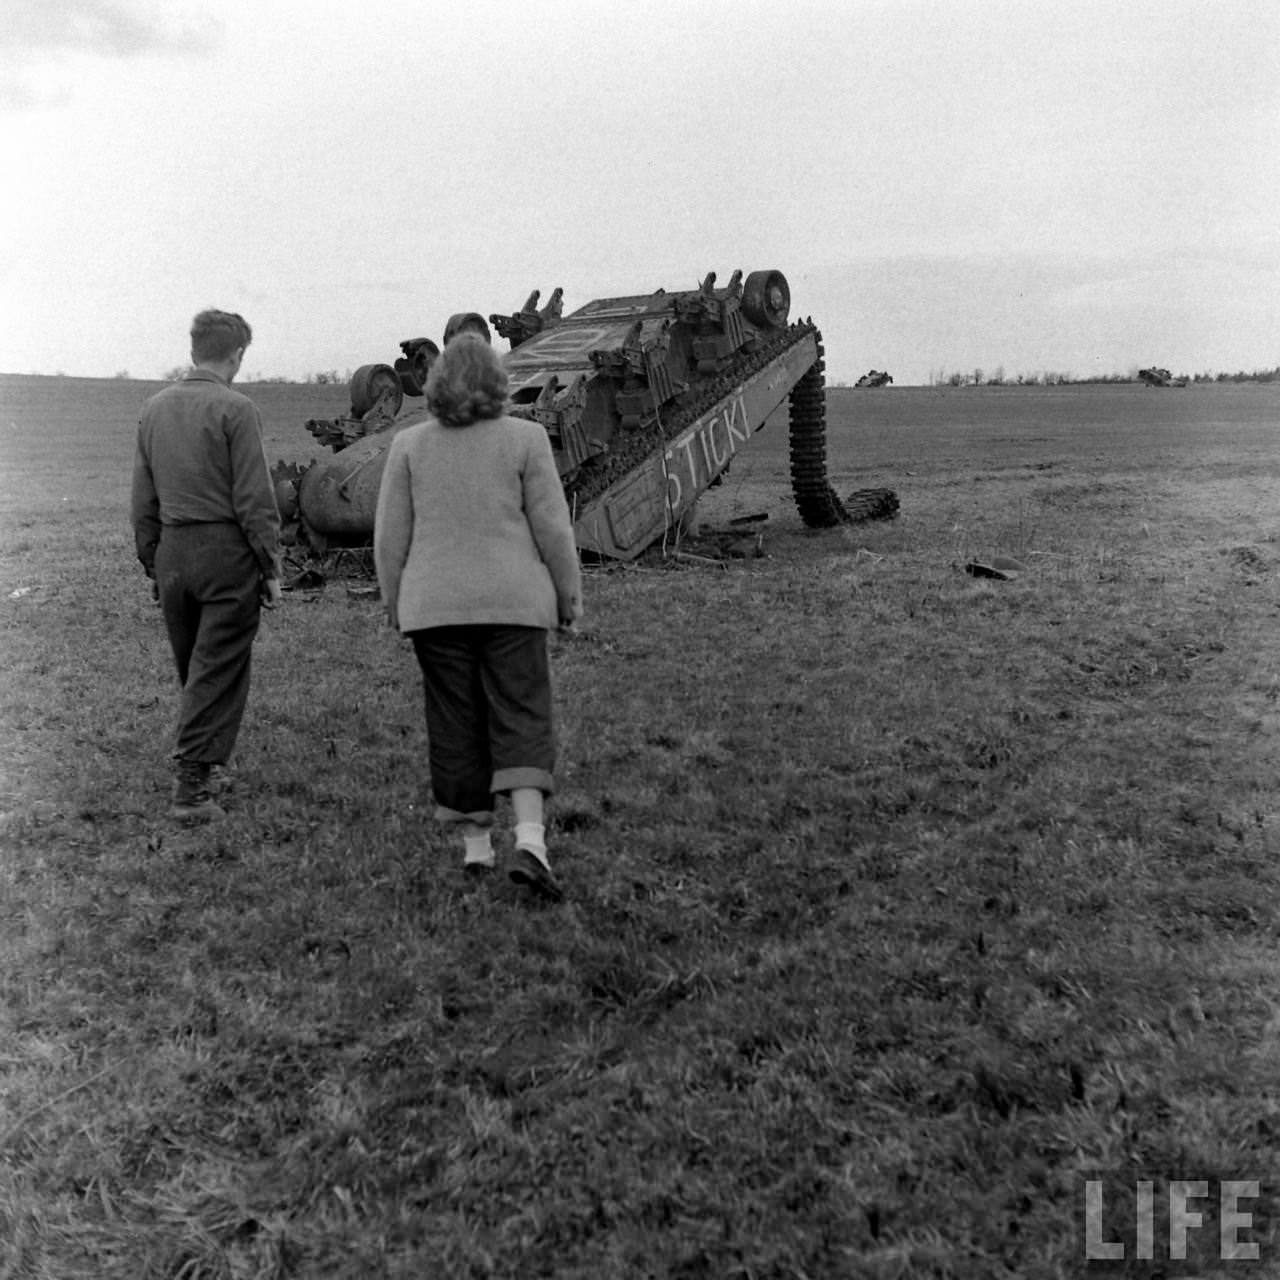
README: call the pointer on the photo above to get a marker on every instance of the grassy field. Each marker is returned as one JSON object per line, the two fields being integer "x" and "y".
{"x": 900, "y": 903}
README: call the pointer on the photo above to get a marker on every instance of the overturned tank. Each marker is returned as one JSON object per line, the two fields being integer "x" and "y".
{"x": 646, "y": 400}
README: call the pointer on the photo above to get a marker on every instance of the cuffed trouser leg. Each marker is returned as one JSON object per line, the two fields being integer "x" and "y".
{"x": 487, "y": 695}
{"x": 209, "y": 593}
{"x": 457, "y": 724}
{"x": 516, "y": 674}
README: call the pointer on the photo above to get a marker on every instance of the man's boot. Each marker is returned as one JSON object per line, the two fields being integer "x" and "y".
{"x": 192, "y": 800}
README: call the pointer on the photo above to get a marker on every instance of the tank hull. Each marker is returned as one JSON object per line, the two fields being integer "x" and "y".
{"x": 653, "y": 497}
{"x": 338, "y": 495}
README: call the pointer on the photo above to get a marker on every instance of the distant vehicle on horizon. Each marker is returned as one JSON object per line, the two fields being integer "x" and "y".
{"x": 1160, "y": 378}
{"x": 875, "y": 378}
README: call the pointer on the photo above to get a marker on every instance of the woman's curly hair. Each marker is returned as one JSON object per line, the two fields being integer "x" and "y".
{"x": 467, "y": 382}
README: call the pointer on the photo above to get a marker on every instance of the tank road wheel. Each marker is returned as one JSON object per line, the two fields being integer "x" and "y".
{"x": 285, "y": 478}
{"x": 415, "y": 364}
{"x": 766, "y": 299}
{"x": 370, "y": 383}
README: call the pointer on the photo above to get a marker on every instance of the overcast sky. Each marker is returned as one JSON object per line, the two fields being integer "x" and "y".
{"x": 1026, "y": 184}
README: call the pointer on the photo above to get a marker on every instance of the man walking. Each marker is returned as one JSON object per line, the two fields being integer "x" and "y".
{"x": 208, "y": 535}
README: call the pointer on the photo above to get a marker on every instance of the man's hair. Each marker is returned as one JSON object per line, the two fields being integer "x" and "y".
{"x": 218, "y": 335}
{"x": 466, "y": 382}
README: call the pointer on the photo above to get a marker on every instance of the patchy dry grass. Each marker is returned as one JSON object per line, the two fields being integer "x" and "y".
{"x": 899, "y": 902}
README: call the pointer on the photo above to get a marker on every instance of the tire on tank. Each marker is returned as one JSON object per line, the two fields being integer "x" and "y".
{"x": 766, "y": 299}
{"x": 414, "y": 366}
{"x": 369, "y": 383}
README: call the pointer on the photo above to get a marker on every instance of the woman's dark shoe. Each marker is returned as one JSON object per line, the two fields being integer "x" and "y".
{"x": 532, "y": 873}
{"x": 222, "y": 781}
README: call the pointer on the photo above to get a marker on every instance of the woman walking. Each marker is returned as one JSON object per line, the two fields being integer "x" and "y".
{"x": 476, "y": 561}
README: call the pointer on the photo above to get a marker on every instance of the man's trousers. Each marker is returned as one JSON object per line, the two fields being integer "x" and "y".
{"x": 209, "y": 585}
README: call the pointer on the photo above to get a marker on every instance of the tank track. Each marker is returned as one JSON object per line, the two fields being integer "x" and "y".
{"x": 816, "y": 500}
{"x": 639, "y": 443}
{"x": 871, "y": 504}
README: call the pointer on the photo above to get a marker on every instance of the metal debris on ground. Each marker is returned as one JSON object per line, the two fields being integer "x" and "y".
{"x": 307, "y": 580}
{"x": 718, "y": 546}
{"x": 1001, "y": 568}
{"x": 687, "y": 557}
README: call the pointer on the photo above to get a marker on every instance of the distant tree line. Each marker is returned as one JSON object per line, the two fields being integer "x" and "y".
{"x": 1258, "y": 375}
{"x": 1050, "y": 378}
